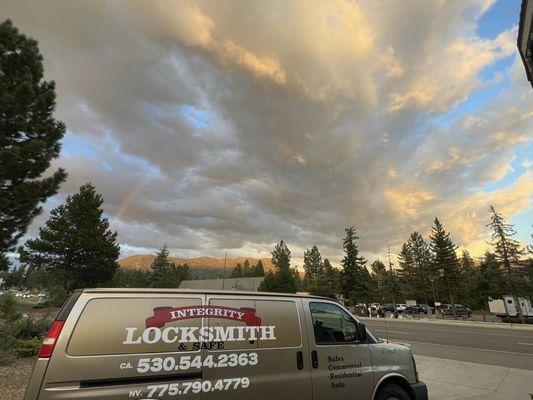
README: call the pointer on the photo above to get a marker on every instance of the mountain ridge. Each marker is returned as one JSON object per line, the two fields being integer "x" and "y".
{"x": 143, "y": 262}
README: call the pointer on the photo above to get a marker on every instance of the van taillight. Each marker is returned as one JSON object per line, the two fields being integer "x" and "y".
{"x": 50, "y": 340}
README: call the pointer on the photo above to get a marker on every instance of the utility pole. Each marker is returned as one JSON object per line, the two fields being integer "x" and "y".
{"x": 432, "y": 279}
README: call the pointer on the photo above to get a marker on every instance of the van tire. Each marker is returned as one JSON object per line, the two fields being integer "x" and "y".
{"x": 392, "y": 392}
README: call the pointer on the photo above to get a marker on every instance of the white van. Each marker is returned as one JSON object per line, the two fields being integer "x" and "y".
{"x": 212, "y": 345}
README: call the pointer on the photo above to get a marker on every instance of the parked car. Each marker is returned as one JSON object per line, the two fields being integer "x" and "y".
{"x": 401, "y": 307}
{"x": 413, "y": 310}
{"x": 168, "y": 343}
{"x": 460, "y": 310}
{"x": 426, "y": 309}
{"x": 388, "y": 307}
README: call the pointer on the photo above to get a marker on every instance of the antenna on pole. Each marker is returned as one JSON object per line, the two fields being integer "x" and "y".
{"x": 392, "y": 278}
{"x": 224, "y": 275}
{"x": 392, "y": 292}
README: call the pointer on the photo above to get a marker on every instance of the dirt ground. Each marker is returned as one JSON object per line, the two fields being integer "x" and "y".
{"x": 14, "y": 378}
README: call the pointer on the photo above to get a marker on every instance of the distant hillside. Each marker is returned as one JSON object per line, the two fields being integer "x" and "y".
{"x": 201, "y": 267}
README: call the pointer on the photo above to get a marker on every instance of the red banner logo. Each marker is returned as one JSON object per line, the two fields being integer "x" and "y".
{"x": 164, "y": 315}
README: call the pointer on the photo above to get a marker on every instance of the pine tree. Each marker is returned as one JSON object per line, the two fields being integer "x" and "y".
{"x": 445, "y": 260}
{"x": 392, "y": 285}
{"x": 378, "y": 276}
{"x": 469, "y": 275}
{"x": 247, "y": 271}
{"x": 527, "y": 288}
{"x": 284, "y": 280}
{"x": 258, "y": 269}
{"x": 281, "y": 258}
{"x": 328, "y": 282}
{"x": 165, "y": 273}
{"x": 313, "y": 266}
{"x": 29, "y": 138}
{"x": 237, "y": 271}
{"x": 355, "y": 276}
{"x": 75, "y": 245}
{"x": 269, "y": 283}
{"x": 160, "y": 264}
{"x": 417, "y": 267}
{"x": 507, "y": 250}
{"x": 490, "y": 282}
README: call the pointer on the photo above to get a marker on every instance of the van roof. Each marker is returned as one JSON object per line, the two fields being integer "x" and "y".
{"x": 201, "y": 291}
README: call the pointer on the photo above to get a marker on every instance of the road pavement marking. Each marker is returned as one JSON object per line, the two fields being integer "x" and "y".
{"x": 525, "y": 344}
{"x": 471, "y": 348}
{"x": 389, "y": 331}
{"x": 502, "y": 334}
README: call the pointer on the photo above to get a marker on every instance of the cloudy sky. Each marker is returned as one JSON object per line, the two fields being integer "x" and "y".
{"x": 213, "y": 125}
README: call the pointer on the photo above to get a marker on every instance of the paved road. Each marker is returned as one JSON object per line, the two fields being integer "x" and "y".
{"x": 496, "y": 346}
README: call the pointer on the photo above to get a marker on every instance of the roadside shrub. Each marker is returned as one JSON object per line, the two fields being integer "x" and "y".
{"x": 19, "y": 336}
{"x": 28, "y": 328}
{"x": 27, "y": 347}
{"x": 9, "y": 308}
{"x": 45, "y": 304}
{"x": 22, "y": 337}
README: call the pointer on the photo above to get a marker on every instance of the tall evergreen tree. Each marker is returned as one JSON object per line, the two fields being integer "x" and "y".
{"x": 379, "y": 272}
{"x": 284, "y": 280}
{"x": 247, "y": 271}
{"x": 355, "y": 276}
{"x": 469, "y": 275}
{"x": 165, "y": 273}
{"x": 75, "y": 245}
{"x": 160, "y": 264}
{"x": 328, "y": 281}
{"x": 445, "y": 260}
{"x": 237, "y": 271}
{"x": 392, "y": 285}
{"x": 258, "y": 269}
{"x": 269, "y": 283}
{"x": 29, "y": 135}
{"x": 507, "y": 250}
{"x": 313, "y": 265}
{"x": 527, "y": 282}
{"x": 490, "y": 282}
{"x": 417, "y": 267}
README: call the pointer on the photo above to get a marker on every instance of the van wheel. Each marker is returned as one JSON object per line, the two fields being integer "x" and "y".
{"x": 392, "y": 392}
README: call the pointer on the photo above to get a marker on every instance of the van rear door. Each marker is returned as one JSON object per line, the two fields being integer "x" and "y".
{"x": 128, "y": 346}
{"x": 265, "y": 351}
{"x": 341, "y": 364}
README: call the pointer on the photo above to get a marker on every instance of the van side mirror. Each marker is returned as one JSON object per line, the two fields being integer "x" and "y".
{"x": 361, "y": 332}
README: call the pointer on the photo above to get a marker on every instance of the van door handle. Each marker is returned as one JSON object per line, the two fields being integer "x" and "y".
{"x": 314, "y": 359}
{"x": 299, "y": 360}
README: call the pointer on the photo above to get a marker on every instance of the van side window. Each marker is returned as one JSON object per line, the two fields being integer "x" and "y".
{"x": 331, "y": 324}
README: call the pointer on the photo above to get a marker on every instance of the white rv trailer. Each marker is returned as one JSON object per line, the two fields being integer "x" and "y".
{"x": 506, "y": 307}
